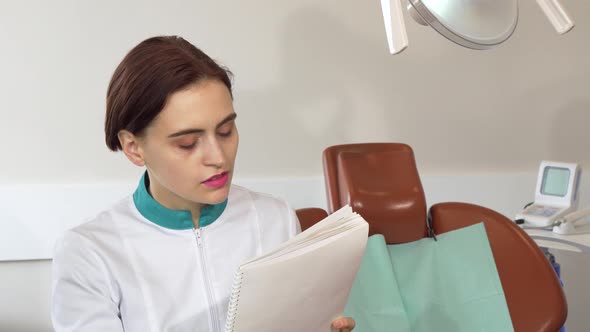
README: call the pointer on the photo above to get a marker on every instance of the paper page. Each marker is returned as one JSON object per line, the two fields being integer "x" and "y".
{"x": 302, "y": 293}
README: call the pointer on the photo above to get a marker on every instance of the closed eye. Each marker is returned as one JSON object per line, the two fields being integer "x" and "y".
{"x": 225, "y": 134}
{"x": 226, "y": 129}
{"x": 187, "y": 147}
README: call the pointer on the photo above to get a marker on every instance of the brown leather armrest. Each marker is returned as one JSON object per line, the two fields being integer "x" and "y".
{"x": 309, "y": 216}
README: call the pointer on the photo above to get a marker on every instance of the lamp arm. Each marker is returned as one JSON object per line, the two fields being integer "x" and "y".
{"x": 557, "y": 15}
{"x": 395, "y": 26}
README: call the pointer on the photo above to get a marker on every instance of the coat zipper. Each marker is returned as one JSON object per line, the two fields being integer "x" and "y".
{"x": 208, "y": 287}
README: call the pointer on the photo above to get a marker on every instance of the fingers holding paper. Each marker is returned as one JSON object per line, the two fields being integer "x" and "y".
{"x": 344, "y": 324}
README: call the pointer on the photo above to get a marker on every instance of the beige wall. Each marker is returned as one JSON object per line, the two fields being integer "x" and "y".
{"x": 26, "y": 294}
{"x": 309, "y": 74}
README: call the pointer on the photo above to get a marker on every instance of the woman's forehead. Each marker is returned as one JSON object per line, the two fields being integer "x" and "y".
{"x": 205, "y": 104}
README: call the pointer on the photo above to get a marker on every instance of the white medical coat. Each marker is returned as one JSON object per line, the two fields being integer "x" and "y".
{"x": 123, "y": 272}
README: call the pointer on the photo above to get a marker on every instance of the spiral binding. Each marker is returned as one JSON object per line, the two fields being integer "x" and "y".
{"x": 234, "y": 299}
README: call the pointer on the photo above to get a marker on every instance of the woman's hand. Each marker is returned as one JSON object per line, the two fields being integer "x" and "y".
{"x": 344, "y": 324}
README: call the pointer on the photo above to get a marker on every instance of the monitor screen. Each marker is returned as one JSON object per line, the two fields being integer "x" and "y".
{"x": 555, "y": 181}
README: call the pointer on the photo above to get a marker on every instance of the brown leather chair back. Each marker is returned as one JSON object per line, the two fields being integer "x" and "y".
{"x": 381, "y": 182}
{"x": 534, "y": 295}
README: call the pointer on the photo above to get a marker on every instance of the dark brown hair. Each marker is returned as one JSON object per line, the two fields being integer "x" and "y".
{"x": 151, "y": 72}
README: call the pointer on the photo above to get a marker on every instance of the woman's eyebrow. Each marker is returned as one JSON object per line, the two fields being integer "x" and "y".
{"x": 227, "y": 119}
{"x": 186, "y": 132}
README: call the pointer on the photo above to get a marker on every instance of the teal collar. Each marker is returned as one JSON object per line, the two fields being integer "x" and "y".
{"x": 173, "y": 219}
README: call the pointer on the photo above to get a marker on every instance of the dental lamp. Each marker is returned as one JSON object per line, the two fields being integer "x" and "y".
{"x": 476, "y": 24}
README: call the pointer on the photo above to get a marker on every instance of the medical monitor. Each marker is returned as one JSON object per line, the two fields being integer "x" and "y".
{"x": 556, "y": 194}
{"x": 557, "y": 183}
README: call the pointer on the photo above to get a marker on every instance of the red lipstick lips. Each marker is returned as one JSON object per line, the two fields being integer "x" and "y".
{"x": 217, "y": 181}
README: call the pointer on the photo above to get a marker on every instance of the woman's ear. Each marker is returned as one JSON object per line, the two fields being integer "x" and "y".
{"x": 131, "y": 147}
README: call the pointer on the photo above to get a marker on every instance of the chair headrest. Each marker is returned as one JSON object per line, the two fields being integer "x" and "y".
{"x": 382, "y": 185}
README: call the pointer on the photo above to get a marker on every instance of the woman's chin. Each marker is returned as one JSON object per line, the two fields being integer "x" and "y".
{"x": 217, "y": 196}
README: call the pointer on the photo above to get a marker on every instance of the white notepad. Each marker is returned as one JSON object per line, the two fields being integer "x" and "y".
{"x": 304, "y": 283}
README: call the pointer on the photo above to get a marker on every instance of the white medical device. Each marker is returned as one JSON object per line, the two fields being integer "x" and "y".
{"x": 573, "y": 223}
{"x": 556, "y": 194}
{"x": 477, "y": 24}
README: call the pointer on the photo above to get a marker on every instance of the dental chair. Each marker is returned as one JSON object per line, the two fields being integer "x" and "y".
{"x": 309, "y": 216}
{"x": 381, "y": 182}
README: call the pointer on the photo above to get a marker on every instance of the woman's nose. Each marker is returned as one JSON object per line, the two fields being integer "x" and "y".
{"x": 213, "y": 154}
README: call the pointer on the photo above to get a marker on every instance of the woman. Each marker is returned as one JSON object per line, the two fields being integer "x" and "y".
{"x": 163, "y": 259}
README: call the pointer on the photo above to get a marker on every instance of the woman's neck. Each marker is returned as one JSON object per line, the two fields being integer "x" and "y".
{"x": 172, "y": 201}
